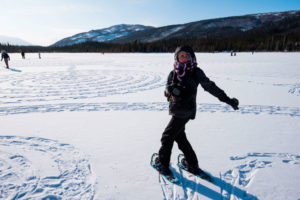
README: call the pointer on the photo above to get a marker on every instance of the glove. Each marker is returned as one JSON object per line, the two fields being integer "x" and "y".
{"x": 234, "y": 103}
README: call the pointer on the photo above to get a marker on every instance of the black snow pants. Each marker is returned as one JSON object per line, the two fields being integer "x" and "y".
{"x": 175, "y": 131}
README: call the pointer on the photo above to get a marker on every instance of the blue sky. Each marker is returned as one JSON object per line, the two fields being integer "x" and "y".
{"x": 43, "y": 22}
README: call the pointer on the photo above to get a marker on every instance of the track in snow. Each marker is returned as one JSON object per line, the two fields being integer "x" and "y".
{"x": 150, "y": 106}
{"x": 244, "y": 174}
{"x": 194, "y": 188}
{"x": 230, "y": 185}
{"x": 41, "y": 168}
{"x": 75, "y": 84}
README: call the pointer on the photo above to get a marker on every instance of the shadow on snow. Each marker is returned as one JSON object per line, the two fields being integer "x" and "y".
{"x": 196, "y": 187}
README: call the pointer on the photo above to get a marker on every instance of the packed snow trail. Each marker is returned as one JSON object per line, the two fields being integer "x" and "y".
{"x": 75, "y": 84}
{"x": 151, "y": 106}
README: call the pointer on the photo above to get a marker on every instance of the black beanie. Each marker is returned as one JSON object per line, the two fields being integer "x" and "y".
{"x": 184, "y": 48}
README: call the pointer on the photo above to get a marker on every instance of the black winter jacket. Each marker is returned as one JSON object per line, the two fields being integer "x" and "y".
{"x": 182, "y": 95}
{"x": 4, "y": 55}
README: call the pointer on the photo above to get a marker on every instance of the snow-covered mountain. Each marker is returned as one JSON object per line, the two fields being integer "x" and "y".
{"x": 213, "y": 27}
{"x": 102, "y": 35}
{"x": 220, "y": 27}
{"x": 13, "y": 41}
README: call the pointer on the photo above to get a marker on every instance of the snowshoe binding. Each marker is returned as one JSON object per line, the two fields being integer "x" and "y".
{"x": 195, "y": 170}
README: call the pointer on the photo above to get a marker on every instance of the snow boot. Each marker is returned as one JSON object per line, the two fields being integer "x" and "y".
{"x": 165, "y": 170}
{"x": 193, "y": 169}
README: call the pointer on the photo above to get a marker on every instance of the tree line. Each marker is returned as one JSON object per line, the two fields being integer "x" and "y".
{"x": 280, "y": 42}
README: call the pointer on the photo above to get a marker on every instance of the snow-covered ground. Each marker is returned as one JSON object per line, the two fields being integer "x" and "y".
{"x": 84, "y": 126}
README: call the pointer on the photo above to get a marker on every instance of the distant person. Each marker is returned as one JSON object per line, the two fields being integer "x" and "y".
{"x": 6, "y": 58}
{"x": 181, "y": 92}
{"x": 39, "y": 55}
{"x": 23, "y": 54}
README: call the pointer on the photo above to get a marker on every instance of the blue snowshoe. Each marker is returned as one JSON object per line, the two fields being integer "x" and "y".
{"x": 163, "y": 170}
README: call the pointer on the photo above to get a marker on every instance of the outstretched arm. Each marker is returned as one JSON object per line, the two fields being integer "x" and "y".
{"x": 213, "y": 89}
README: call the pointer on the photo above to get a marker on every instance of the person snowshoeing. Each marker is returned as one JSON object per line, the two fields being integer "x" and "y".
{"x": 23, "y": 54}
{"x": 6, "y": 58}
{"x": 181, "y": 92}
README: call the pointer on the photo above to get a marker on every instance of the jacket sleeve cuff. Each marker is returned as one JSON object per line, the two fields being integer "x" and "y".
{"x": 225, "y": 99}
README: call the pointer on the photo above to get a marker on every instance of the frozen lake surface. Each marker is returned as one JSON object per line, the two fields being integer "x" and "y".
{"x": 84, "y": 126}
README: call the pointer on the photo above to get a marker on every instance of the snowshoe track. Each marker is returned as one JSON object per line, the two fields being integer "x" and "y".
{"x": 244, "y": 174}
{"x": 43, "y": 169}
{"x": 75, "y": 84}
{"x": 150, "y": 106}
